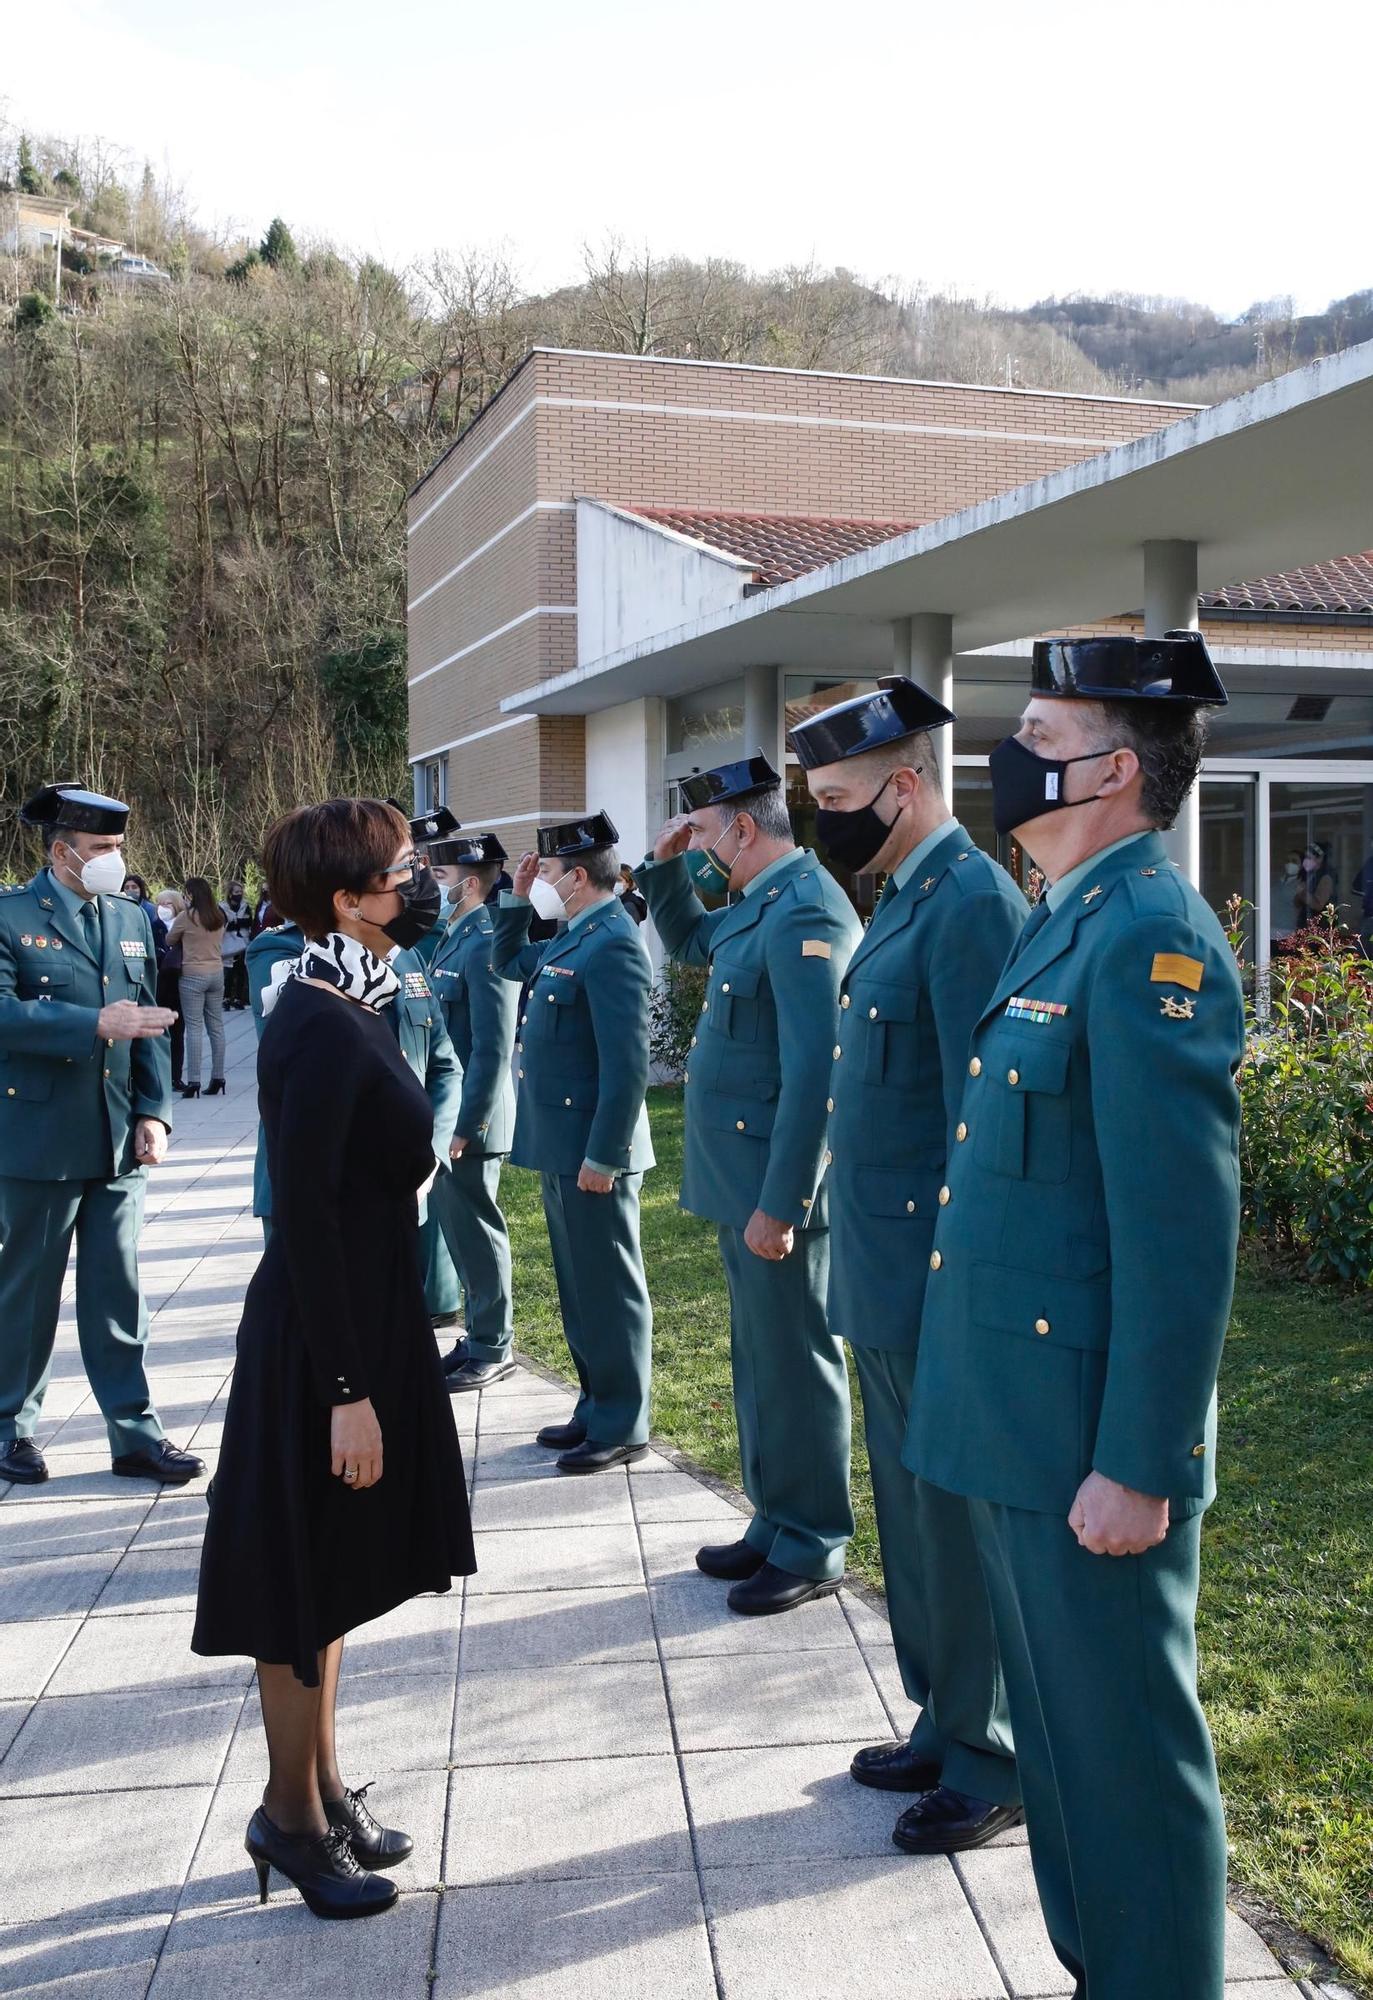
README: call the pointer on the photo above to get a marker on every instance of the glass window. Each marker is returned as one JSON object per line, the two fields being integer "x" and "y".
{"x": 1279, "y": 722}
{"x": 810, "y": 694}
{"x": 711, "y": 720}
{"x": 1228, "y": 809}
{"x": 1321, "y": 845}
{"x": 431, "y": 784}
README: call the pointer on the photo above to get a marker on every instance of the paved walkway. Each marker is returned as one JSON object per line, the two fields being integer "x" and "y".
{"x": 615, "y": 1788}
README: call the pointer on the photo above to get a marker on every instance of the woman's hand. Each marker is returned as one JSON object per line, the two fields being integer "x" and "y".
{"x": 355, "y": 1444}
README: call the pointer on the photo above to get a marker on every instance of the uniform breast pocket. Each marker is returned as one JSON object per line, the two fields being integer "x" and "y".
{"x": 736, "y": 1002}
{"x": 1024, "y": 1116}
{"x": 554, "y": 1006}
{"x": 890, "y": 1037}
{"x": 49, "y": 980}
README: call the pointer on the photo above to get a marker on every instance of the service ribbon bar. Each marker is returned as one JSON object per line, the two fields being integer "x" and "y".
{"x": 1039, "y": 1011}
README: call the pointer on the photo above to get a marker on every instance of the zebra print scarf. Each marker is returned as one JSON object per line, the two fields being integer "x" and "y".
{"x": 337, "y": 961}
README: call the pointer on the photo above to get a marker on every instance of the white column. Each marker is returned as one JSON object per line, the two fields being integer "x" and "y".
{"x": 763, "y": 714}
{"x": 1170, "y": 605}
{"x": 922, "y": 649}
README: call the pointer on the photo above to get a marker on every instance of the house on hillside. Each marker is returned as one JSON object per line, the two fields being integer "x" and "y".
{"x": 33, "y": 223}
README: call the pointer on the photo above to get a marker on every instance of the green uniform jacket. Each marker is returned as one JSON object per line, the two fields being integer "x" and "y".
{"x": 925, "y": 969}
{"x": 583, "y": 1042}
{"x": 69, "y": 1101}
{"x": 760, "y": 1063}
{"x": 479, "y": 1008}
{"x": 1086, "y": 1258}
{"x": 415, "y": 1018}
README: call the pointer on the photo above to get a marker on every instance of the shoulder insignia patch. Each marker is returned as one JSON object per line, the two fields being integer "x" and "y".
{"x": 1177, "y": 1010}
{"x": 815, "y": 948}
{"x": 1174, "y": 968}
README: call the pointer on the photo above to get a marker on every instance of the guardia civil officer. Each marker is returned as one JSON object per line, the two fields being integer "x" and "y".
{"x": 479, "y": 1008}
{"x": 1080, "y": 1286}
{"x": 580, "y": 1121}
{"x": 755, "y": 1142}
{"x": 913, "y": 990}
{"x": 85, "y": 1110}
{"x": 442, "y": 1285}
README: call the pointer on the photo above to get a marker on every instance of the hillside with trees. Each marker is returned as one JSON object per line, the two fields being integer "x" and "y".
{"x": 203, "y": 477}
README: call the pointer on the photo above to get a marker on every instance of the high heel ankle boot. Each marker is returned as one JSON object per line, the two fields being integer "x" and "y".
{"x": 190, "y": 1090}
{"x": 374, "y": 1845}
{"x": 216, "y": 1088}
{"x": 322, "y": 1866}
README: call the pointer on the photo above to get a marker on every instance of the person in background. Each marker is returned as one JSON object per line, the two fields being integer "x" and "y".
{"x": 136, "y": 889}
{"x": 238, "y": 923}
{"x": 1316, "y": 892}
{"x": 265, "y": 917}
{"x": 197, "y": 931}
{"x": 442, "y": 1284}
{"x": 170, "y": 903}
{"x": 627, "y": 889}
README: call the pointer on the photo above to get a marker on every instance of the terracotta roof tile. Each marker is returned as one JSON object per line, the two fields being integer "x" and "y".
{"x": 783, "y": 546}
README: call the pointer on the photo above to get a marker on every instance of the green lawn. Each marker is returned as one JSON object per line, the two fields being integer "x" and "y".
{"x": 1287, "y": 1592}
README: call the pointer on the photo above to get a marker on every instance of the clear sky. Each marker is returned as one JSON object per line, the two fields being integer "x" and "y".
{"x": 1193, "y": 148}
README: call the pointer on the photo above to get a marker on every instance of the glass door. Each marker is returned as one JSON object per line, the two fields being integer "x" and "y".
{"x": 1321, "y": 855}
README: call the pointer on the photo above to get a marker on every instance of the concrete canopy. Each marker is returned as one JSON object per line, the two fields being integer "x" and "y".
{"x": 1268, "y": 481}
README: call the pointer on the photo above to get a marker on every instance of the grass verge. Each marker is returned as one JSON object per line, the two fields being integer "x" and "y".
{"x": 1286, "y": 1619}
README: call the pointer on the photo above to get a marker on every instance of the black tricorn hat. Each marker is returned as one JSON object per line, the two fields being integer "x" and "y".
{"x": 1175, "y": 668}
{"x": 727, "y": 781}
{"x": 73, "y": 809}
{"x": 576, "y": 836}
{"x": 435, "y": 825}
{"x": 897, "y": 708}
{"x": 473, "y": 850}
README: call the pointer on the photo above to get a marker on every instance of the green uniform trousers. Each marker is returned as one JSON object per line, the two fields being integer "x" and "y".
{"x": 37, "y": 1222}
{"x": 1127, "y": 1832}
{"x": 442, "y": 1285}
{"x": 941, "y": 1620}
{"x": 791, "y": 1404}
{"x": 603, "y": 1295}
{"x": 463, "y": 1201}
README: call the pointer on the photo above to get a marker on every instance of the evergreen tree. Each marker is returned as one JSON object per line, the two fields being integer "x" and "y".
{"x": 278, "y": 248}
{"x": 29, "y": 179}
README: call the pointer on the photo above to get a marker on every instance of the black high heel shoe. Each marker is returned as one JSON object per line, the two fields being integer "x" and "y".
{"x": 322, "y": 1866}
{"x": 216, "y": 1087}
{"x": 190, "y": 1090}
{"x": 374, "y": 1845}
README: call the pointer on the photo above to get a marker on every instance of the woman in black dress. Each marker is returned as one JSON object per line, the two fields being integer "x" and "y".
{"x": 340, "y": 1489}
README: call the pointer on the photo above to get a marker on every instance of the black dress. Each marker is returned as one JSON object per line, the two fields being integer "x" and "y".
{"x": 293, "y": 1557}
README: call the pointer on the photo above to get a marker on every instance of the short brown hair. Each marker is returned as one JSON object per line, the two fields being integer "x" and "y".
{"x": 317, "y": 850}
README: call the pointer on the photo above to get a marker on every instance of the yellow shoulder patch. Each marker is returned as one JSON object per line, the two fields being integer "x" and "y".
{"x": 1172, "y": 968}
{"x": 814, "y": 948}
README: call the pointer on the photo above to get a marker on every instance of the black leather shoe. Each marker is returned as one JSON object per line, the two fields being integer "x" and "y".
{"x": 588, "y": 1456}
{"x": 456, "y": 1357}
{"x": 162, "y": 1462}
{"x": 374, "y": 1845}
{"x": 190, "y": 1090}
{"x": 949, "y": 1822}
{"x": 473, "y": 1374}
{"x": 562, "y": 1437}
{"x": 891, "y": 1767}
{"x": 730, "y": 1561}
{"x": 774, "y": 1589}
{"x": 23, "y": 1462}
{"x": 216, "y": 1087}
{"x": 445, "y": 1319}
{"x": 322, "y": 1866}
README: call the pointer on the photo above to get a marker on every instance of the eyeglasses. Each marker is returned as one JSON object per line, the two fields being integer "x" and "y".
{"x": 405, "y": 867}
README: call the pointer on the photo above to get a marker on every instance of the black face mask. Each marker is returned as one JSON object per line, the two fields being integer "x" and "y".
{"x": 421, "y": 905}
{"x": 1025, "y": 787}
{"x": 853, "y": 838}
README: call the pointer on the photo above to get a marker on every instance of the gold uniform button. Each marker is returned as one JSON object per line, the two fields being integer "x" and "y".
{"x": 521, "y": 1073}
{"x": 43, "y": 979}
{"x": 975, "y": 1066}
{"x": 738, "y": 1124}
{"x": 694, "y": 1040}
{"x": 846, "y": 1001}
{"x": 872, "y": 1013}
{"x": 936, "y": 1260}
{"x": 910, "y": 1208}
{"x": 1041, "y": 1326}
{"x": 943, "y": 1197}
{"x": 725, "y": 987}
{"x": 1198, "y": 1451}
{"x": 10, "y": 1091}
{"x": 1013, "y": 1076}
{"x": 838, "y": 1051}
{"x": 107, "y": 1072}
{"x": 829, "y": 1104}
{"x": 567, "y": 1101}
{"x": 829, "y": 1159}
{"x": 960, "y": 1132}
{"x": 105, "y": 980}
{"x": 550, "y": 999}
{"x": 519, "y": 1048}
{"x": 805, "y": 1201}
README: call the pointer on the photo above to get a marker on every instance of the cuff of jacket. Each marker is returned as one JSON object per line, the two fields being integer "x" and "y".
{"x": 599, "y": 1167}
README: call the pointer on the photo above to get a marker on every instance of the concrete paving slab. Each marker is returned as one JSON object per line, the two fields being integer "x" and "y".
{"x": 556, "y": 1628}
{"x": 614, "y": 1940}
{"x": 652, "y": 1461}
{"x": 1246, "y": 1954}
{"x": 105, "y": 1855}
{"x": 550, "y": 1714}
{"x": 905, "y": 1933}
{"x": 151, "y": 1580}
{"x": 420, "y": 1637}
{"x": 676, "y": 1496}
{"x": 150, "y": 1649}
{"x": 566, "y": 1501}
{"x": 29, "y": 1655}
{"x": 57, "y": 1530}
{"x": 118, "y": 1742}
{"x": 557, "y": 1559}
{"x": 881, "y": 1663}
{"x": 693, "y": 1617}
{"x": 52, "y": 1586}
{"x": 525, "y": 1415}
{"x": 545, "y": 1822}
{"x": 58, "y": 1959}
{"x": 795, "y": 1803}
{"x": 177, "y": 1520}
{"x": 395, "y": 1722}
{"x": 772, "y": 1698}
{"x": 1000, "y": 1886}
{"x": 505, "y": 1455}
{"x": 256, "y": 1953}
{"x": 12, "y": 1717}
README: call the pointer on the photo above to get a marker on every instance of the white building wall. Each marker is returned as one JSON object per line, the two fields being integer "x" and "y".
{"x": 624, "y": 777}
{"x": 634, "y": 579}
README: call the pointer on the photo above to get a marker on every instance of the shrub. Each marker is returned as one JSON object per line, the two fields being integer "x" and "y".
{"x": 1306, "y": 1088}
{"x": 675, "y": 1008}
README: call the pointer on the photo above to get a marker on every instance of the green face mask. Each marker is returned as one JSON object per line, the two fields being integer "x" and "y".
{"x": 708, "y": 872}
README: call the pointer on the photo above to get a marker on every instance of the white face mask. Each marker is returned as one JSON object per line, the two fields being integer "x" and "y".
{"x": 103, "y": 874}
{"x": 621, "y": 889}
{"x": 166, "y": 912}
{"x": 547, "y": 900}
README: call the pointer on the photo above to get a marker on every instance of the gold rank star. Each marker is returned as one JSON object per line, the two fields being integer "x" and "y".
{"x": 1177, "y": 1010}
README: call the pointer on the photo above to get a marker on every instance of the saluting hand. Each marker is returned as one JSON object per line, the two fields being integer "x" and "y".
{"x": 768, "y": 1238}
{"x": 1114, "y": 1520}
{"x": 126, "y": 1021}
{"x": 674, "y": 838}
{"x": 525, "y": 870}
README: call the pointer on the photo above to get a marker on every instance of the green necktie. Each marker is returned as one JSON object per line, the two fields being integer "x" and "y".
{"x": 90, "y": 924}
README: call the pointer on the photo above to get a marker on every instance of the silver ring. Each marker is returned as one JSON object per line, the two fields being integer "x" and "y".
{"x": 350, "y": 1472}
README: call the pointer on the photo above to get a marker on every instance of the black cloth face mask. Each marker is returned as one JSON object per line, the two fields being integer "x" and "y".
{"x": 853, "y": 838}
{"x": 421, "y": 905}
{"x": 1025, "y": 787}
